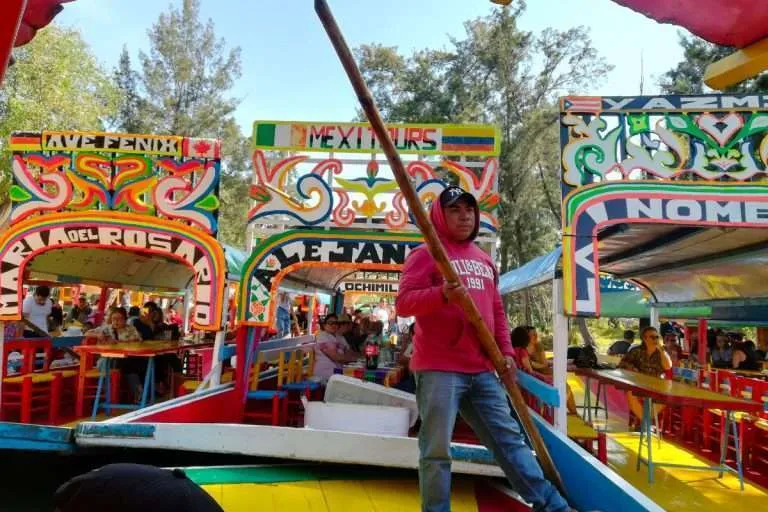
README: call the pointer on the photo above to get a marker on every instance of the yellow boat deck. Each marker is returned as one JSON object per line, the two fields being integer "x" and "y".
{"x": 675, "y": 488}
{"x": 334, "y": 496}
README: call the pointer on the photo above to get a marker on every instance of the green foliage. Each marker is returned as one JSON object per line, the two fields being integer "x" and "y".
{"x": 182, "y": 88}
{"x": 688, "y": 76}
{"x": 55, "y": 83}
{"x": 498, "y": 73}
{"x": 187, "y": 74}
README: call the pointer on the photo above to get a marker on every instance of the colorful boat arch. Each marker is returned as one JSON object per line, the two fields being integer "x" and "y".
{"x": 276, "y": 257}
{"x": 115, "y": 230}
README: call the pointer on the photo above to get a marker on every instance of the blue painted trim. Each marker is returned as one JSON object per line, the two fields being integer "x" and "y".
{"x": 685, "y": 373}
{"x": 227, "y": 351}
{"x": 471, "y": 453}
{"x": 134, "y": 430}
{"x": 22, "y": 436}
{"x": 266, "y": 395}
{"x": 538, "y": 388}
{"x": 67, "y": 341}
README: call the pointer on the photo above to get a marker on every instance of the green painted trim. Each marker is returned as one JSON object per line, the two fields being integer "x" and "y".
{"x": 283, "y": 474}
{"x": 264, "y": 248}
{"x": 579, "y": 196}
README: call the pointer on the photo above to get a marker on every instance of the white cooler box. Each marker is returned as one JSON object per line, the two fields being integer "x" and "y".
{"x": 365, "y": 419}
{"x": 342, "y": 389}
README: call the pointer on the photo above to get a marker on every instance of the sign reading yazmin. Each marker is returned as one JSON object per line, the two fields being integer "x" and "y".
{"x": 114, "y": 142}
{"x": 33, "y": 241}
{"x": 424, "y": 139}
{"x": 703, "y": 103}
{"x": 363, "y": 287}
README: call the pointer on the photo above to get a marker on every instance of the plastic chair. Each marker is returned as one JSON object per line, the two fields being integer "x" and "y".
{"x": 278, "y": 413}
{"x": 33, "y": 390}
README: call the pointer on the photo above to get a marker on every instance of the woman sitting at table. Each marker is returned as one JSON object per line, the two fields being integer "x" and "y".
{"x": 744, "y": 357}
{"x": 649, "y": 358}
{"x": 331, "y": 350}
{"x": 722, "y": 355}
{"x": 117, "y": 330}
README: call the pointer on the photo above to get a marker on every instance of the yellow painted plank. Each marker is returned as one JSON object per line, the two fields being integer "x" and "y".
{"x": 738, "y": 66}
{"x": 681, "y": 489}
{"x": 335, "y": 496}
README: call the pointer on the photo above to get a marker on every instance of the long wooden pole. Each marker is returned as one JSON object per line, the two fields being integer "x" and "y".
{"x": 505, "y": 371}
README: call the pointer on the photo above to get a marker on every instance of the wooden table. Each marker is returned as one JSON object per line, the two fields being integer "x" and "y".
{"x": 112, "y": 351}
{"x": 670, "y": 392}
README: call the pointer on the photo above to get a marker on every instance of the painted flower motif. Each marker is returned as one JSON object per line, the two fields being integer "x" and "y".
{"x": 257, "y": 309}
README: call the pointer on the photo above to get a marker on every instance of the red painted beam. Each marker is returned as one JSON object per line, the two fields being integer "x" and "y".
{"x": 10, "y": 20}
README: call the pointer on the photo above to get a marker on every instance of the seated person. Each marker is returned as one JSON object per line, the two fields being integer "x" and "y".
{"x": 650, "y": 359}
{"x": 116, "y": 330}
{"x": 538, "y": 358}
{"x": 141, "y": 322}
{"x": 81, "y": 311}
{"x": 722, "y": 354}
{"x": 672, "y": 347}
{"x": 744, "y": 357}
{"x": 331, "y": 350}
{"x": 621, "y": 347}
{"x": 762, "y": 349}
{"x": 524, "y": 344}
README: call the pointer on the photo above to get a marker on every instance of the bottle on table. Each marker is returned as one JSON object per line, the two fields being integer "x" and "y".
{"x": 371, "y": 355}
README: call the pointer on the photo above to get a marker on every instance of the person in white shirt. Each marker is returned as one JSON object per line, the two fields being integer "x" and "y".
{"x": 331, "y": 351}
{"x": 381, "y": 313}
{"x": 37, "y": 308}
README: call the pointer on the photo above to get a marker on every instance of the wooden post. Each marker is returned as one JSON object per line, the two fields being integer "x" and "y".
{"x": 702, "y": 351}
{"x": 506, "y": 372}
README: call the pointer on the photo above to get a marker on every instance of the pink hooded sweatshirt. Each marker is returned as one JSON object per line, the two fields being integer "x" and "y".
{"x": 444, "y": 339}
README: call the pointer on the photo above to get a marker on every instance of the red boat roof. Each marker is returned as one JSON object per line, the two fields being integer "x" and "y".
{"x": 736, "y": 23}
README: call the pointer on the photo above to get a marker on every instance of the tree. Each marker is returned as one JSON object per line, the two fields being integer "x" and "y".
{"x": 185, "y": 82}
{"x": 129, "y": 117}
{"x": 688, "y": 76}
{"x": 497, "y": 73}
{"x": 55, "y": 83}
{"x": 187, "y": 75}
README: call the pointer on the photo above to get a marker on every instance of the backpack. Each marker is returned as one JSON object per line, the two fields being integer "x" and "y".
{"x": 587, "y": 357}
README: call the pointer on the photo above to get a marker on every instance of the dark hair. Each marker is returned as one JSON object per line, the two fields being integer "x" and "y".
{"x": 43, "y": 291}
{"x": 330, "y": 316}
{"x": 529, "y": 328}
{"x": 629, "y": 334}
{"x": 412, "y": 328}
{"x": 151, "y": 305}
{"x": 646, "y": 330}
{"x": 134, "y": 311}
{"x": 378, "y": 326}
{"x": 519, "y": 337}
{"x": 120, "y": 310}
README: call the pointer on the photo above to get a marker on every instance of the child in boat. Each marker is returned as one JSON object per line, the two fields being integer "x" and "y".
{"x": 452, "y": 372}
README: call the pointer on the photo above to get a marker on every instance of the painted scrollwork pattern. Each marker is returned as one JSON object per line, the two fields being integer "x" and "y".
{"x": 335, "y": 193}
{"x": 171, "y": 177}
{"x": 665, "y": 145}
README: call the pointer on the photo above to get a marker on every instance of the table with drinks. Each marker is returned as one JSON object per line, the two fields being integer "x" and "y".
{"x": 379, "y": 366}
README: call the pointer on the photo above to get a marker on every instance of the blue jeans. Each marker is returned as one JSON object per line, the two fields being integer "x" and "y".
{"x": 283, "y": 323}
{"x": 483, "y": 404}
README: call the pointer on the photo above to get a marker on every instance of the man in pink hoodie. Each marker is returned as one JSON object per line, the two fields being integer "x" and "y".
{"x": 452, "y": 372}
